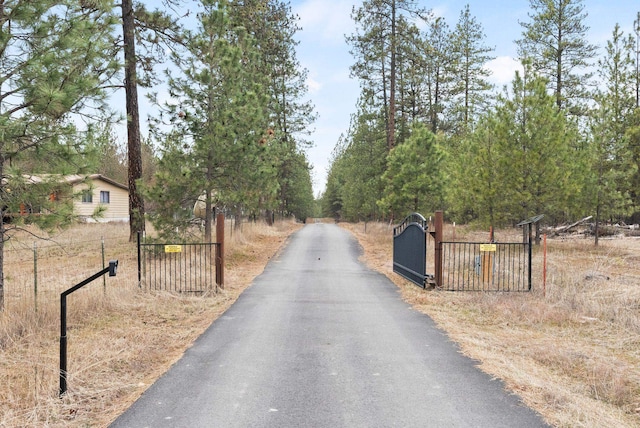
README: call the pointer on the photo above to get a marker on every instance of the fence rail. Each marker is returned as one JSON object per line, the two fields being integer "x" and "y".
{"x": 475, "y": 266}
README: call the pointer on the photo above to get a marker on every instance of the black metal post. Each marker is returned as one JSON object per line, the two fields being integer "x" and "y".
{"x": 111, "y": 270}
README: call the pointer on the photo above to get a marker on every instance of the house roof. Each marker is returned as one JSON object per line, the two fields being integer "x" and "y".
{"x": 71, "y": 179}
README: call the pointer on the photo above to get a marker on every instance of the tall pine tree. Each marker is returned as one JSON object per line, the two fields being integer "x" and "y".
{"x": 218, "y": 111}
{"x": 555, "y": 43}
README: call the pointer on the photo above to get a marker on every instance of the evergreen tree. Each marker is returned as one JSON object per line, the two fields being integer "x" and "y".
{"x": 413, "y": 180}
{"x": 615, "y": 104}
{"x": 331, "y": 200}
{"x": 104, "y": 153}
{"x": 470, "y": 56}
{"x": 274, "y": 27}
{"x": 299, "y": 201}
{"x": 218, "y": 110}
{"x": 632, "y": 141}
{"x": 54, "y": 57}
{"x": 439, "y": 61}
{"x": 356, "y": 171}
{"x": 478, "y": 189}
{"x": 375, "y": 45}
{"x": 145, "y": 36}
{"x": 519, "y": 162}
{"x": 636, "y": 75}
{"x": 555, "y": 44}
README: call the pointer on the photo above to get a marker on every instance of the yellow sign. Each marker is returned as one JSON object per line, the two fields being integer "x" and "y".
{"x": 173, "y": 248}
{"x": 488, "y": 248}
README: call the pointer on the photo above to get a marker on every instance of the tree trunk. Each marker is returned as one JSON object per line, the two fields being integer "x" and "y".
{"x": 208, "y": 214}
{"x": 134, "y": 150}
{"x": 392, "y": 81}
{"x": 238, "y": 214}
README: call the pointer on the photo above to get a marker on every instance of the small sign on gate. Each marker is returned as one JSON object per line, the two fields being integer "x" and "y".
{"x": 173, "y": 248}
{"x": 488, "y": 248}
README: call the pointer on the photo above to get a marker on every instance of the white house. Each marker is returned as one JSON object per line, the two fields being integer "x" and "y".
{"x": 98, "y": 191}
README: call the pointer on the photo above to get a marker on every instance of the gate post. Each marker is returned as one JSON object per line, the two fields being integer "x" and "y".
{"x": 437, "y": 237}
{"x": 220, "y": 252}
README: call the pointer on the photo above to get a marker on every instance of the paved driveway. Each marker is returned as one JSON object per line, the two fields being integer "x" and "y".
{"x": 319, "y": 340}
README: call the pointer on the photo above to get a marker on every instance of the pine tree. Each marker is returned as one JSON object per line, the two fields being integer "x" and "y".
{"x": 145, "y": 36}
{"x": 375, "y": 46}
{"x": 413, "y": 181}
{"x": 519, "y": 161}
{"x": 273, "y": 27}
{"x": 54, "y": 58}
{"x": 218, "y": 110}
{"x": 555, "y": 44}
{"x": 357, "y": 168}
{"x": 636, "y": 75}
{"x": 471, "y": 57}
{"x": 439, "y": 64}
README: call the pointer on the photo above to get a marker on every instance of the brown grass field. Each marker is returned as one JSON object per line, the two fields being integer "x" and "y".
{"x": 573, "y": 354}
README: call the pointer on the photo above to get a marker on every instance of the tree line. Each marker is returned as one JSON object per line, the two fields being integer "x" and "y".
{"x": 431, "y": 132}
{"x": 229, "y": 123}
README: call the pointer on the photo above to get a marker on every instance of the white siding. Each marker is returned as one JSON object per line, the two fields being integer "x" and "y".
{"x": 116, "y": 210}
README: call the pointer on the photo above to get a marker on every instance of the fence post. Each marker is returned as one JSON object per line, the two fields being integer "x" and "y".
{"x": 35, "y": 276}
{"x": 139, "y": 262}
{"x": 530, "y": 257}
{"x": 220, "y": 253}
{"x": 437, "y": 237}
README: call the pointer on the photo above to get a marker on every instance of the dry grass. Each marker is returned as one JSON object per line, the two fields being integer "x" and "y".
{"x": 573, "y": 354}
{"x": 120, "y": 338}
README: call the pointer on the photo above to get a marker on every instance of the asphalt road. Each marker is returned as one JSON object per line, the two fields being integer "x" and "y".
{"x": 319, "y": 340}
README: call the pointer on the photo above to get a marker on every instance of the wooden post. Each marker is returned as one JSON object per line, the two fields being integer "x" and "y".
{"x": 487, "y": 266}
{"x": 220, "y": 253}
{"x": 437, "y": 237}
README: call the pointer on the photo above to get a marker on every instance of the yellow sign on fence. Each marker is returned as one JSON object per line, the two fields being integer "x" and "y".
{"x": 488, "y": 248}
{"x": 173, "y": 248}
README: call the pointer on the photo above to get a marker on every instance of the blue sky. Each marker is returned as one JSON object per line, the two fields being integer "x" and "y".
{"x": 325, "y": 54}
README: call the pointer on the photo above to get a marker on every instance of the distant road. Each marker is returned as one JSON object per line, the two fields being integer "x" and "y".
{"x": 319, "y": 340}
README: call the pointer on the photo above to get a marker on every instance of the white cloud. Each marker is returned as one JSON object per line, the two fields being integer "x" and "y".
{"x": 329, "y": 20}
{"x": 503, "y": 70}
{"x": 440, "y": 11}
{"x": 313, "y": 85}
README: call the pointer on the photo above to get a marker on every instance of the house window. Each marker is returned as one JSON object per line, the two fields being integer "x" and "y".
{"x": 104, "y": 197}
{"x": 87, "y": 196}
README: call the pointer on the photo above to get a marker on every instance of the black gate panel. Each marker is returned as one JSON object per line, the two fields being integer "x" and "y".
{"x": 410, "y": 249}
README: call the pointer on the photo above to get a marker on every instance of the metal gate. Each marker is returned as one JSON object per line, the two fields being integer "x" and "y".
{"x": 474, "y": 266}
{"x": 410, "y": 249}
{"x": 460, "y": 266}
{"x": 184, "y": 267}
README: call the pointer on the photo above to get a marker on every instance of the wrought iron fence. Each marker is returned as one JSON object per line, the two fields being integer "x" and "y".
{"x": 474, "y": 266}
{"x": 183, "y": 267}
